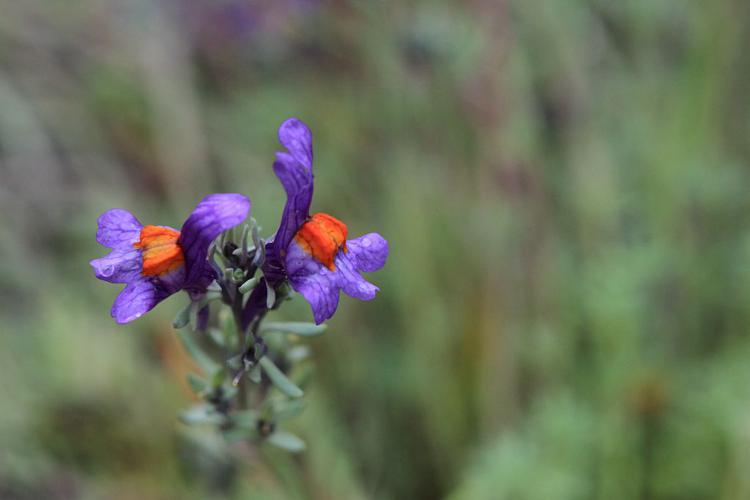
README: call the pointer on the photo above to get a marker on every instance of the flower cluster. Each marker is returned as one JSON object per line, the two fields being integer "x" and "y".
{"x": 310, "y": 252}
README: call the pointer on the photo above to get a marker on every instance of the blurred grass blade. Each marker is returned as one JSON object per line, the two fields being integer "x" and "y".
{"x": 280, "y": 380}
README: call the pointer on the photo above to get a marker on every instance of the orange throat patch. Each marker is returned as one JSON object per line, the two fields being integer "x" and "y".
{"x": 161, "y": 253}
{"x": 321, "y": 237}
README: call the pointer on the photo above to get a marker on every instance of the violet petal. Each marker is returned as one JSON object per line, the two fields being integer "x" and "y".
{"x": 294, "y": 170}
{"x": 118, "y": 228}
{"x": 350, "y": 281}
{"x": 121, "y": 265}
{"x": 213, "y": 215}
{"x": 135, "y": 300}
{"x": 368, "y": 252}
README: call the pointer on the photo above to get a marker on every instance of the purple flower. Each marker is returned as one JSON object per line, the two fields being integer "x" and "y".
{"x": 156, "y": 261}
{"x": 312, "y": 251}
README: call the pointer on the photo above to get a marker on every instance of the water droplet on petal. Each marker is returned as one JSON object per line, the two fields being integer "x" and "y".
{"x": 366, "y": 242}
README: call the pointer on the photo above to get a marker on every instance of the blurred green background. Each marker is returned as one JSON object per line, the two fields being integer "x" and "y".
{"x": 564, "y": 314}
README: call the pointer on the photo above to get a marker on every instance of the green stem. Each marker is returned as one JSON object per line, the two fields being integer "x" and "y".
{"x": 242, "y": 396}
{"x": 248, "y": 342}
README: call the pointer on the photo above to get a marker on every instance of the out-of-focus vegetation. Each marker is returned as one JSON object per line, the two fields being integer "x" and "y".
{"x": 566, "y": 310}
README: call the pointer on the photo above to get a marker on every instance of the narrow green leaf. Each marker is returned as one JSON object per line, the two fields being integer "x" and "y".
{"x": 216, "y": 250}
{"x": 201, "y": 414}
{"x": 217, "y": 379}
{"x": 285, "y": 410}
{"x": 286, "y": 441}
{"x": 295, "y": 327}
{"x": 247, "y": 419}
{"x": 217, "y": 337}
{"x": 183, "y": 317}
{"x": 197, "y": 383}
{"x": 255, "y": 374}
{"x": 208, "y": 365}
{"x": 260, "y": 251}
{"x": 304, "y": 374}
{"x": 221, "y": 242}
{"x": 243, "y": 243}
{"x": 240, "y": 434}
{"x": 228, "y": 327}
{"x": 280, "y": 380}
{"x": 270, "y": 295}
{"x": 249, "y": 285}
{"x": 298, "y": 353}
{"x": 255, "y": 233}
{"x": 235, "y": 362}
{"x": 228, "y": 273}
{"x": 195, "y": 307}
{"x": 230, "y": 391}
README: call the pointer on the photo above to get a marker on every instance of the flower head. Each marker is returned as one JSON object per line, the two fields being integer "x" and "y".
{"x": 157, "y": 261}
{"x": 312, "y": 251}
